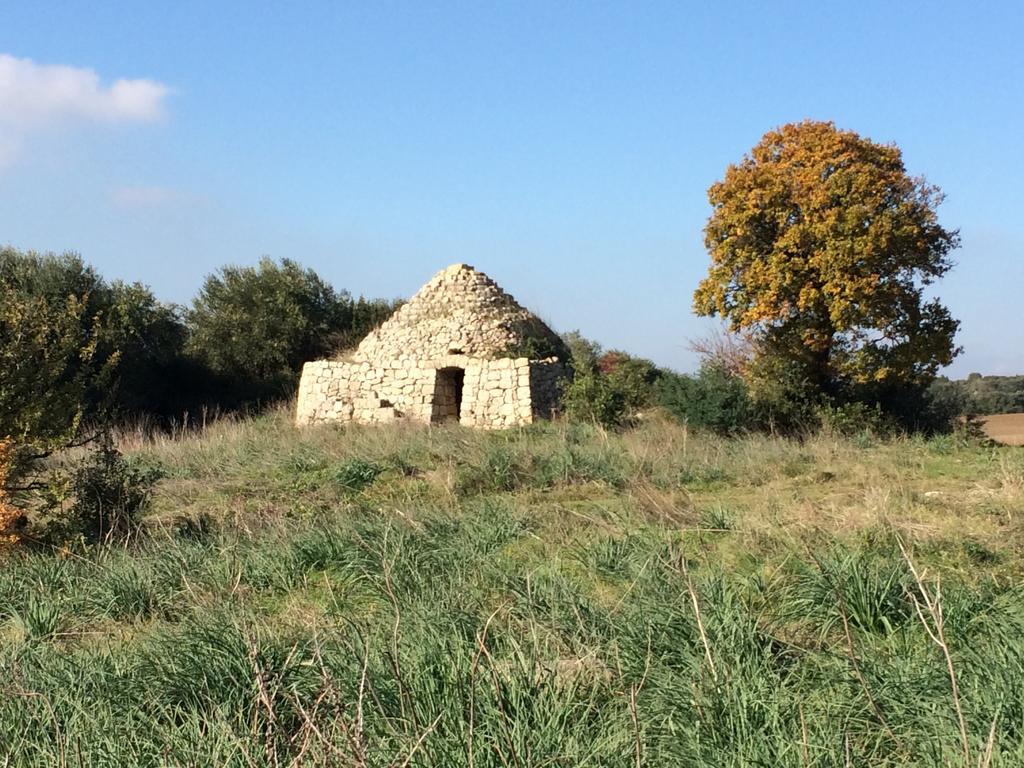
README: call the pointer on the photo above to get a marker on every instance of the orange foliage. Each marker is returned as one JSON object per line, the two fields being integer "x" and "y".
{"x": 610, "y": 361}
{"x": 9, "y": 516}
{"x": 821, "y": 238}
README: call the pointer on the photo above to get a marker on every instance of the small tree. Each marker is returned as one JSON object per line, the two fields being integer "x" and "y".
{"x": 48, "y": 368}
{"x": 715, "y": 399}
{"x": 74, "y": 352}
{"x": 258, "y": 325}
{"x": 607, "y": 387}
{"x": 821, "y": 248}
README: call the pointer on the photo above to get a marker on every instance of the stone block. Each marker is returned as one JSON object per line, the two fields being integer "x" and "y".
{"x": 460, "y": 319}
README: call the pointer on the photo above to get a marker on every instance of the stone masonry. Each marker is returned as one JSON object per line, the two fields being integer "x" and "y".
{"x": 461, "y": 350}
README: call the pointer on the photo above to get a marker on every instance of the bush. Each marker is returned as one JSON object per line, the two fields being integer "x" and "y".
{"x": 714, "y": 399}
{"x": 356, "y": 474}
{"x": 110, "y": 493}
{"x": 855, "y": 418}
{"x": 608, "y": 388}
{"x": 256, "y": 326}
{"x": 592, "y": 398}
{"x": 783, "y": 399}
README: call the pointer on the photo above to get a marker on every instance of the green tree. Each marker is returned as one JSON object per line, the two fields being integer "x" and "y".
{"x": 76, "y": 352}
{"x": 148, "y": 337}
{"x": 357, "y": 318}
{"x": 133, "y": 338}
{"x": 49, "y": 374}
{"x": 822, "y": 247}
{"x": 258, "y": 325}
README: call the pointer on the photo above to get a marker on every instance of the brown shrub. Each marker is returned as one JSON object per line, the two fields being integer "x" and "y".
{"x": 11, "y": 518}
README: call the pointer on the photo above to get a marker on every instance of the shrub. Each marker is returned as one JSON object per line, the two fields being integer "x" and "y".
{"x": 608, "y": 387}
{"x": 356, "y": 474}
{"x": 110, "y": 493}
{"x": 634, "y": 377}
{"x": 855, "y": 418}
{"x": 256, "y": 326}
{"x": 539, "y": 347}
{"x": 714, "y": 399}
{"x": 946, "y": 409}
{"x": 783, "y": 400}
{"x": 592, "y": 397}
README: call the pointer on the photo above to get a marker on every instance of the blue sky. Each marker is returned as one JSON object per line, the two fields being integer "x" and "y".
{"x": 563, "y": 148}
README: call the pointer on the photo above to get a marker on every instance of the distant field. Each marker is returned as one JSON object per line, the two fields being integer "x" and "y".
{"x": 1005, "y": 428}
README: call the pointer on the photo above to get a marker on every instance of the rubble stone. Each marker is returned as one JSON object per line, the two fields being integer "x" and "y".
{"x": 452, "y": 353}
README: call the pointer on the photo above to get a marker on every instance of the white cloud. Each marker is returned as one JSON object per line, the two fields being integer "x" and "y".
{"x": 34, "y": 97}
{"x": 38, "y": 94}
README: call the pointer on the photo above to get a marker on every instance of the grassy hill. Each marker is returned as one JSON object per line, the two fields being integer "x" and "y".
{"x": 542, "y": 597}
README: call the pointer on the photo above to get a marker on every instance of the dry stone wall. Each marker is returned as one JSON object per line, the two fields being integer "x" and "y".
{"x": 444, "y": 356}
{"x": 506, "y": 392}
{"x": 459, "y": 312}
{"x": 547, "y": 381}
{"x": 497, "y": 394}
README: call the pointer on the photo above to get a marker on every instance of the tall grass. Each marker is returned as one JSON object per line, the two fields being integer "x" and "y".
{"x": 551, "y": 596}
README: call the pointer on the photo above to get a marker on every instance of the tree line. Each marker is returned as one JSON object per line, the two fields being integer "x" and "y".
{"x": 78, "y": 352}
{"x": 986, "y": 395}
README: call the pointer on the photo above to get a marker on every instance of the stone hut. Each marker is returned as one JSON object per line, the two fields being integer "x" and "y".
{"x": 461, "y": 350}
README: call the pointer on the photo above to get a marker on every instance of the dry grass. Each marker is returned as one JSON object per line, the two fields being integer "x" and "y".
{"x": 1006, "y": 428}
{"x": 556, "y": 595}
{"x": 767, "y": 489}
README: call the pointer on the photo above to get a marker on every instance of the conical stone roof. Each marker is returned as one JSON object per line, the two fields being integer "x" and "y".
{"x": 460, "y": 312}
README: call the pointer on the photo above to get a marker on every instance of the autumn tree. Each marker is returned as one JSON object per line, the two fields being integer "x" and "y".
{"x": 11, "y": 518}
{"x": 822, "y": 247}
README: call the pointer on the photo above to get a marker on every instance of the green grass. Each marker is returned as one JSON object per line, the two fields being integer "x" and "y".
{"x": 545, "y": 597}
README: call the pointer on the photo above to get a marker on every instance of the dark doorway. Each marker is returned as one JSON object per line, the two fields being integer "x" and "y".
{"x": 448, "y": 395}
